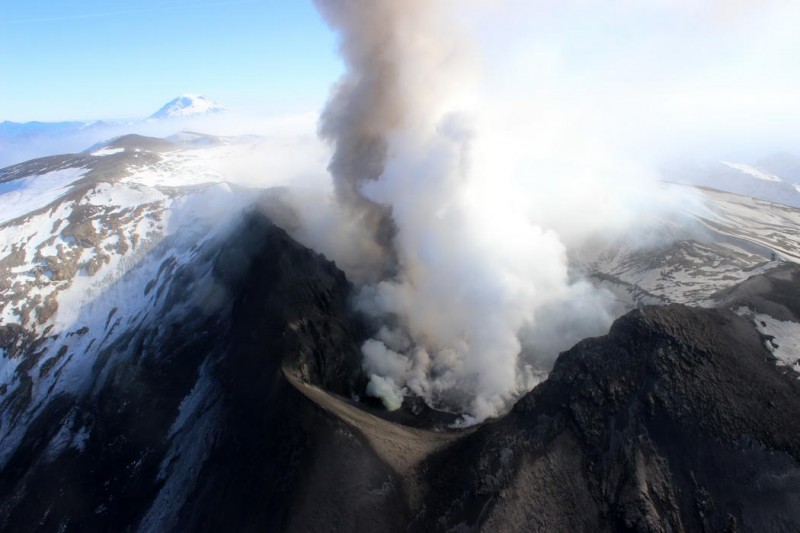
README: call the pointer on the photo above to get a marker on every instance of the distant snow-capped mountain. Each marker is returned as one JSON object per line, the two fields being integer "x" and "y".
{"x": 188, "y": 105}
{"x": 22, "y": 141}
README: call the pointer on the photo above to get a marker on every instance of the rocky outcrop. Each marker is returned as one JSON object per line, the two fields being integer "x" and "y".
{"x": 190, "y": 422}
{"x": 677, "y": 420}
{"x": 232, "y": 406}
{"x": 777, "y": 293}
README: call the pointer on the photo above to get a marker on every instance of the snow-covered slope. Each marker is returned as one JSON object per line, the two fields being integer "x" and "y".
{"x": 188, "y": 105}
{"x": 783, "y": 164}
{"x": 89, "y": 244}
{"x": 116, "y": 268}
{"x": 718, "y": 241}
{"x": 21, "y": 141}
{"x": 72, "y": 224}
{"x": 144, "y": 320}
{"x": 106, "y": 222}
{"x": 775, "y": 179}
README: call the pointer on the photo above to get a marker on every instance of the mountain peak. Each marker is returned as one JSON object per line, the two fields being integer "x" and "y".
{"x": 188, "y": 105}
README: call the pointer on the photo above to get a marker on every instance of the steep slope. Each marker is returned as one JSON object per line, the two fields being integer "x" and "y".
{"x": 170, "y": 360}
{"x": 86, "y": 261}
{"x": 187, "y": 403}
{"x": 720, "y": 239}
{"x": 772, "y": 179}
{"x": 143, "y": 390}
{"x": 677, "y": 420}
{"x": 228, "y": 407}
{"x": 21, "y": 141}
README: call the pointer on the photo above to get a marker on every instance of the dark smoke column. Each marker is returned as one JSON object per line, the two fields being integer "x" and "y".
{"x": 367, "y": 105}
{"x": 455, "y": 271}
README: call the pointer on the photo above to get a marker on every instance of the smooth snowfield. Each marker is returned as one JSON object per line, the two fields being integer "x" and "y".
{"x": 20, "y": 197}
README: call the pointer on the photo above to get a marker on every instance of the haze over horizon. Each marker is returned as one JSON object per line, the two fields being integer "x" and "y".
{"x": 93, "y": 60}
{"x": 647, "y": 73}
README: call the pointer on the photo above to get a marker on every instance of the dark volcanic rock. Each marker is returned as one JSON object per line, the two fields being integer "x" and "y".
{"x": 675, "y": 421}
{"x": 140, "y": 142}
{"x": 228, "y": 406}
{"x": 280, "y": 462}
{"x": 190, "y": 424}
{"x": 776, "y": 293}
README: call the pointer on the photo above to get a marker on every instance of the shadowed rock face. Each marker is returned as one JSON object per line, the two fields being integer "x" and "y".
{"x": 192, "y": 424}
{"x": 677, "y": 420}
{"x": 776, "y": 294}
{"x": 231, "y": 408}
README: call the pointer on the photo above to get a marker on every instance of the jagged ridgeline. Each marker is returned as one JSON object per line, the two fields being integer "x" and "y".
{"x": 171, "y": 367}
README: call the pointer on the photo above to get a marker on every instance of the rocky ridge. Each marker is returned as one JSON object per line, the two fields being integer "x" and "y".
{"x": 244, "y": 417}
{"x": 212, "y": 380}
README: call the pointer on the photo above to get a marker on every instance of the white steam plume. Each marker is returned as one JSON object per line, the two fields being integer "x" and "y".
{"x": 470, "y": 264}
{"x": 466, "y": 171}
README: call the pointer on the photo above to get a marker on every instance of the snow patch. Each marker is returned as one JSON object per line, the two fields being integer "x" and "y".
{"x": 21, "y": 196}
{"x": 783, "y": 337}
{"x": 108, "y": 151}
{"x": 752, "y": 171}
{"x": 8, "y": 367}
{"x": 785, "y": 341}
{"x": 192, "y": 437}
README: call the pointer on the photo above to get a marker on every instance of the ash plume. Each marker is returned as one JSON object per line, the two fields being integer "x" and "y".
{"x": 456, "y": 265}
{"x": 366, "y": 106}
{"x": 376, "y": 99}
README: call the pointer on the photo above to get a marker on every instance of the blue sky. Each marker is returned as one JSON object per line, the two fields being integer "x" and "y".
{"x": 668, "y": 68}
{"x": 73, "y": 60}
